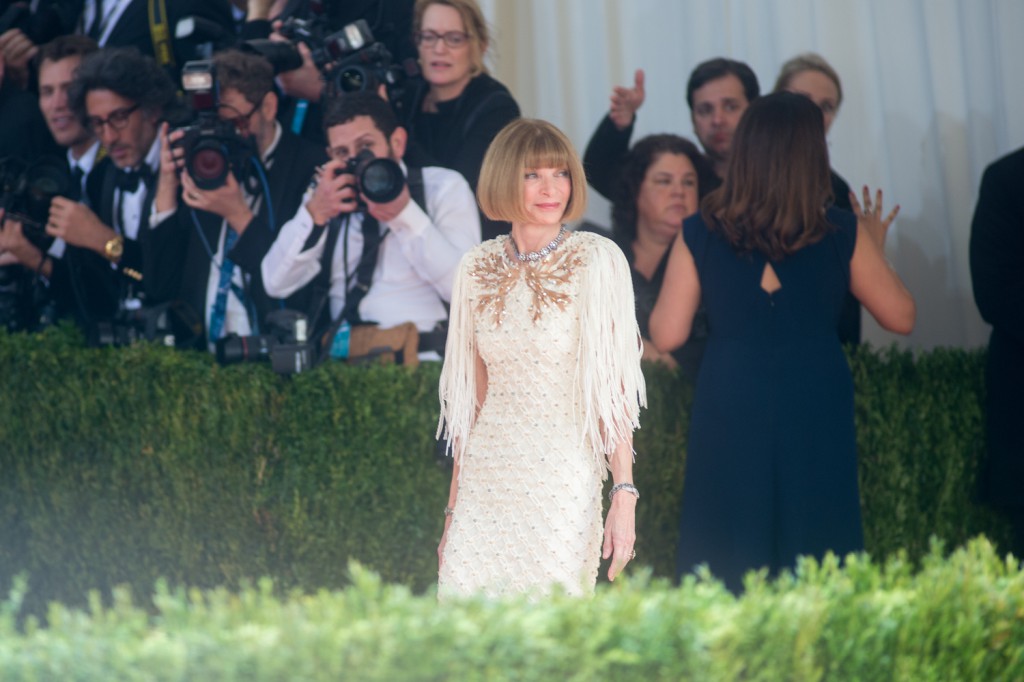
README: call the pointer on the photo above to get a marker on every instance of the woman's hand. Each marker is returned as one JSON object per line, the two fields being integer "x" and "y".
{"x": 652, "y": 354}
{"x": 444, "y": 541}
{"x": 870, "y": 216}
{"x": 620, "y": 532}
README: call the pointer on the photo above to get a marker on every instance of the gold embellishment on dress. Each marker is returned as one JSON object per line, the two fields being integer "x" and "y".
{"x": 497, "y": 275}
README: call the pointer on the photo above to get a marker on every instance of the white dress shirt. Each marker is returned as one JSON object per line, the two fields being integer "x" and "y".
{"x": 416, "y": 264}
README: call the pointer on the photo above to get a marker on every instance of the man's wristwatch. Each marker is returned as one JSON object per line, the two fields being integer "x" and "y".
{"x": 114, "y": 248}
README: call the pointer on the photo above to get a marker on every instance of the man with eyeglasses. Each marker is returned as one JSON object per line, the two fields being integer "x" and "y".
{"x": 213, "y": 240}
{"x": 122, "y": 97}
{"x": 389, "y": 263}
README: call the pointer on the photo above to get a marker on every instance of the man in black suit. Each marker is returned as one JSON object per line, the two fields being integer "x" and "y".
{"x": 997, "y": 273}
{"x": 57, "y": 62}
{"x": 126, "y": 23}
{"x": 122, "y": 97}
{"x": 218, "y": 236}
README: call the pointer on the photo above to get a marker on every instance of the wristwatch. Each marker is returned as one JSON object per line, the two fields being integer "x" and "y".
{"x": 114, "y": 248}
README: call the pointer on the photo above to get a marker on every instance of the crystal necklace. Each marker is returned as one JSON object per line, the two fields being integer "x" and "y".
{"x": 534, "y": 256}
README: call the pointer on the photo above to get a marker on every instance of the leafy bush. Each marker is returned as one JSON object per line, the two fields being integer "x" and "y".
{"x": 957, "y": 618}
{"x": 121, "y": 466}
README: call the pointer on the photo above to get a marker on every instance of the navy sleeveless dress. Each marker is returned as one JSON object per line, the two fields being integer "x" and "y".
{"x": 771, "y": 462}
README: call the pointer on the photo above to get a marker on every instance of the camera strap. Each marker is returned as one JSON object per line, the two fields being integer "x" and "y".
{"x": 160, "y": 34}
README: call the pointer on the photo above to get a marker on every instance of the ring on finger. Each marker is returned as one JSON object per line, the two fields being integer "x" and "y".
{"x": 632, "y": 554}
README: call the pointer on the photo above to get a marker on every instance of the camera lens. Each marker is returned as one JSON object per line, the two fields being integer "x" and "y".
{"x": 353, "y": 79}
{"x": 381, "y": 181}
{"x": 208, "y": 164}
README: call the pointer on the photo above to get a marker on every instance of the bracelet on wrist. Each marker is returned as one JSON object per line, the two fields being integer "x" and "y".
{"x": 628, "y": 487}
{"x": 448, "y": 511}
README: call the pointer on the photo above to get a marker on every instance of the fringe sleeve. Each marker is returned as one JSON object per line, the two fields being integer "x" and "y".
{"x": 457, "y": 387}
{"x": 608, "y": 371}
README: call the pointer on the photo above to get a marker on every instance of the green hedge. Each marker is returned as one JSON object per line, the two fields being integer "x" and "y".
{"x": 958, "y": 618}
{"x": 122, "y": 466}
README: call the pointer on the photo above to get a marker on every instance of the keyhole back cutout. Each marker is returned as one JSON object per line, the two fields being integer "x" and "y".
{"x": 769, "y": 280}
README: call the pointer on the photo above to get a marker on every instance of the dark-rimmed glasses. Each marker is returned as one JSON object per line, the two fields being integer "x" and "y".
{"x": 241, "y": 121}
{"x": 453, "y": 39}
{"x": 117, "y": 120}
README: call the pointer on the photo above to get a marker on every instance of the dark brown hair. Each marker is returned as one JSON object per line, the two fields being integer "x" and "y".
{"x": 634, "y": 169}
{"x": 777, "y": 184}
{"x": 249, "y": 74}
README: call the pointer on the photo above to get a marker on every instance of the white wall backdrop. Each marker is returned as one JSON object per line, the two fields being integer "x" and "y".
{"x": 933, "y": 92}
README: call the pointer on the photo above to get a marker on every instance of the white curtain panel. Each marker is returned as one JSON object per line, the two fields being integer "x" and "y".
{"x": 933, "y": 92}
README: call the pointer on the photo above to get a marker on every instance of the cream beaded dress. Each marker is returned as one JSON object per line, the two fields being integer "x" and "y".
{"x": 560, "y": 342}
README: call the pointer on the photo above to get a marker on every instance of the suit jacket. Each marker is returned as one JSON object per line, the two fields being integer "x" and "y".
{"x": 178, "y": 258}
{"x": 997, "y": 275}
{"x": 132, "y": 29}
{"x": 87, "y": 281}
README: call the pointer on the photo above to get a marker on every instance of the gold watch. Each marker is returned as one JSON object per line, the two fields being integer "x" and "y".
{"x": 114, "y": 248}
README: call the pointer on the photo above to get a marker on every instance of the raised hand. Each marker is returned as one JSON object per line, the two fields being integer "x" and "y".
{"x": 626, "y": 101}
{"x": 870, "y": 215}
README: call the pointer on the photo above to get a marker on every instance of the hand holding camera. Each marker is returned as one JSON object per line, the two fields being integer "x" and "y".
{"x": 15, "y": 248}
{"x": 226, "y": 201}
{"x": 363, "y": 182}
{"x": 335, "y": 193}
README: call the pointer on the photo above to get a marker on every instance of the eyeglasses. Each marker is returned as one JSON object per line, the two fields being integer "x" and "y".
{"x": 117, "y": 120}
{"x": 241, "y": 121}
{"x": 452, "y": 39}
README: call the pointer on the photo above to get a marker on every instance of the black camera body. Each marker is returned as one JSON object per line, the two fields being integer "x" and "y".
{"x": 27, "y": 188}
{"x": 213, "y": 147}
{"x": 172, "y": 324}
{"x": 285, "y": 344}
{"x": 378, "y": 179}
{"x": 350, "y": 60}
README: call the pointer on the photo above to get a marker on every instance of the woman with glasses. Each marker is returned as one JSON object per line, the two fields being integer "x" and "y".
{"x": 454, "y": 110}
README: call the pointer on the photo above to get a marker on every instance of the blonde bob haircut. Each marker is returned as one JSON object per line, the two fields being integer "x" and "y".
{"x": 473, "y": 24}
{"x": 527, "y": 143}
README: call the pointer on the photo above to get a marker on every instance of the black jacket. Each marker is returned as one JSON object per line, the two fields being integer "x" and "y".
{"x": 458, "y": 135}
{"x": 178, "y": 257}
{"x": 997, "y": 274}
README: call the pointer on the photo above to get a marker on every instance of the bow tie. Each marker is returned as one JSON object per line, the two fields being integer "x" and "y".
{"x": 128, "y": 181}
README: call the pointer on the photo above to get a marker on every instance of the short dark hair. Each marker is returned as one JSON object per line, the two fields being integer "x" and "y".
{"x": 713, "y": 69}
{"x": 66, "y": 46}
{"x": 345, "y": 106}
{"x": 634, "y": 169}
{"x": 126, "y": 72}
{"x": 777, "y": 184}
{"x": 250, "y": 74}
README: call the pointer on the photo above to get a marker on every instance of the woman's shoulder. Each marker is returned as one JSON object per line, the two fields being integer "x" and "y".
{"x": 598, "y": 249}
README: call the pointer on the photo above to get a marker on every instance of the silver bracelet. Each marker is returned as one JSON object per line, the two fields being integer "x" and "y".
{"x": 628, "y": 487}
{"x": 448, "y": 511}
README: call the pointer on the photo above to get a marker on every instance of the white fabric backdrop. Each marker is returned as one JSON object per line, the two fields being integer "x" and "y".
{"x": 933, "y": 92}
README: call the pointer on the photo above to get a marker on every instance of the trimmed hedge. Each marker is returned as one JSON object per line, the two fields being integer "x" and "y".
{"x": 958, "y": 618}
{"x": 122, "y": 466}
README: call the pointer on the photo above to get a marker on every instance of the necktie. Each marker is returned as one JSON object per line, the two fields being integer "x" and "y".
{"x": 75, "y": 191}
{"x": 220, "y": 303}
{"x": 96, "y": 27}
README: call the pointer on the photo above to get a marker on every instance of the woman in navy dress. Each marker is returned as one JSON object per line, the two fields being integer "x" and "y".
{"x": 771, "y": 469}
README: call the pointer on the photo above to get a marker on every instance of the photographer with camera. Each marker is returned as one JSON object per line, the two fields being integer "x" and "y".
{"x": 391, "y": 260}
{"x": 322, "y": 35}
{"x": 220, "y": 226}
{"x": 122, "y": 96}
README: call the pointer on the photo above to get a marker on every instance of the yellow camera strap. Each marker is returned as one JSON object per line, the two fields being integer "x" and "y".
{"x": 160, "y": 33}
